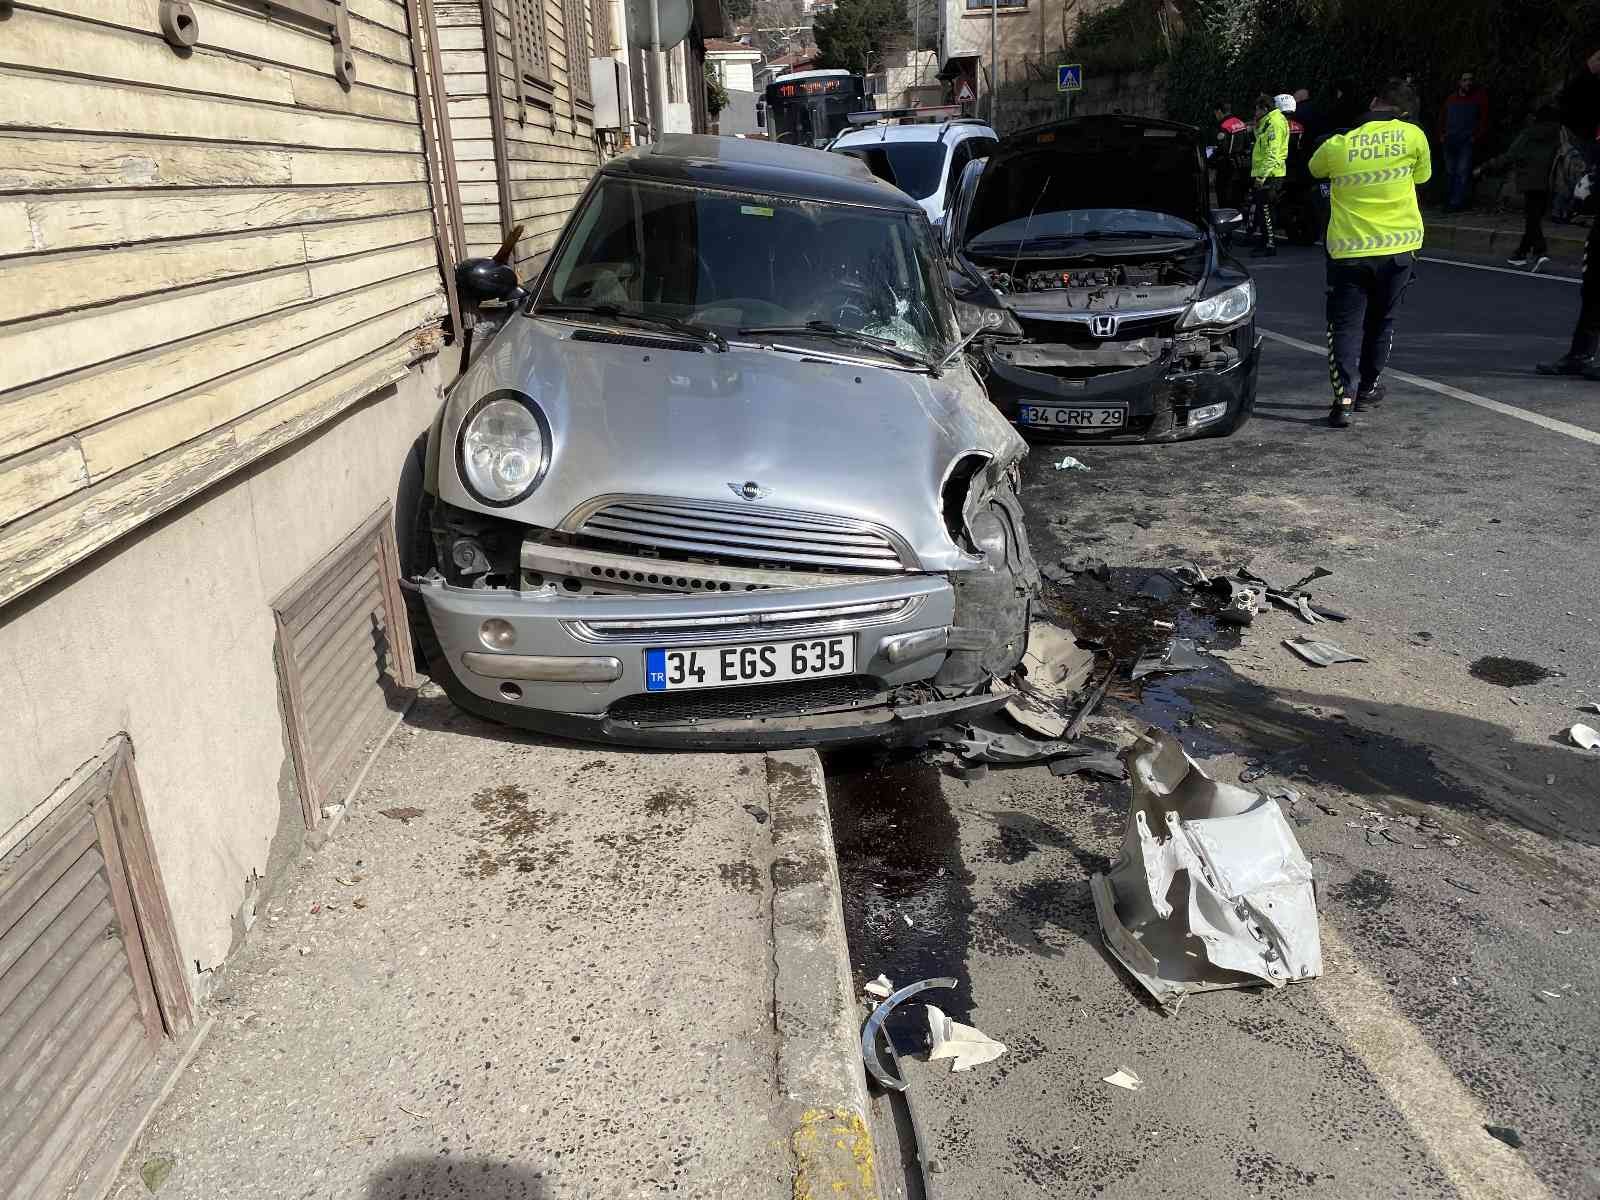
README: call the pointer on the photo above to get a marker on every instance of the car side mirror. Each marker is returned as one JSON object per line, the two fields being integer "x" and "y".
{"x": 1226, "y": 218}
{"x": 482, "y": 280}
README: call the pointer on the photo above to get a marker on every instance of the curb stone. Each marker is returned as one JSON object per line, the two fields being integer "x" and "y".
{"x": 820, "y": 1076}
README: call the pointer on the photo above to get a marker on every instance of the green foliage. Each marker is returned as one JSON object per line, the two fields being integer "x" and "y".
{"x": 716, "y": 94}
{"x": 1521, "y": 50}
{"x": 857, "y": 33}
{"x": 1123, "y": 37}
{"x": 738, "y": 10}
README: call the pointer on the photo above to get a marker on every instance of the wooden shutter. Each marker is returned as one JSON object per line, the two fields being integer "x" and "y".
{"x": 576, "y": 17}
{"x": 344, "y": 658}
{"x": 528, "y": 42}
{"x": 90, "y": 980}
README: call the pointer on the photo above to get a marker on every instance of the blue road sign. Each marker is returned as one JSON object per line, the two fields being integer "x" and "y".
{"x": 1069, "y": 78}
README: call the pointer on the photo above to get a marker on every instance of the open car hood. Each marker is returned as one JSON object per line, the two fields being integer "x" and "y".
{"x": 1101, "y": 162}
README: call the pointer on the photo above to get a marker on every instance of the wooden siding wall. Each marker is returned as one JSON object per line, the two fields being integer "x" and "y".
{"x": 203, "y": 255}
{"x": 549, "y": 137}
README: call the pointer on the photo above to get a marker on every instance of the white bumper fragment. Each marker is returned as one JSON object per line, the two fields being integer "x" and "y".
{"x": 1211, "y": 889}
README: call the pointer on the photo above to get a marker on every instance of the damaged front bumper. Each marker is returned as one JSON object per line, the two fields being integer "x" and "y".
{"x": 1161, "y": 397}
{"x": 575, "y": 664}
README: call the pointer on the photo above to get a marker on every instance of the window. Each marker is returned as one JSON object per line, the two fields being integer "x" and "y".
{"x": 576, "y": 16}
{"x": 959, "y": 158}
{"x": 984, "y": 4}
{"x": 528, "y": 43}
{"x": 913, "y": 167}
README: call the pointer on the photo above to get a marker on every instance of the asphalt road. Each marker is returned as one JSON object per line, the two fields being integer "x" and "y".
{"x": 1458, "y": 834}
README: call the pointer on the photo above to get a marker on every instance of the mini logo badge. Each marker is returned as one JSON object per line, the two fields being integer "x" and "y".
{"x": 1104, "y": 326}
{"x": 749, "y": 490}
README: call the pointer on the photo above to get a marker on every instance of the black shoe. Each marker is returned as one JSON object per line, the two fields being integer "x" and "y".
{"x": 1264, "y": 252}
{"x": 1567, "y": 364}
{"x": 1339, "y": 415}
{"x": 1370, "y": 398}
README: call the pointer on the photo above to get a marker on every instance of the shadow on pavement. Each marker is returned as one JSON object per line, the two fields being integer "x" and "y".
{"x": 445, "y": 1178}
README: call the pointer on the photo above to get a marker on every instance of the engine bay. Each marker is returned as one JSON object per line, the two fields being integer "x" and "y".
{"x": 1072, "y": 276}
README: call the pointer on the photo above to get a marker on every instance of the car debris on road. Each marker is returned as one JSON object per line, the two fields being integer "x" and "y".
{"x": 969, "y": 1047}
{"x": 1251, "y": 903}
{"x": 1319, "y": 653}
{"x": 1584, "y": 736}
{"x": 1124, "y": 1078}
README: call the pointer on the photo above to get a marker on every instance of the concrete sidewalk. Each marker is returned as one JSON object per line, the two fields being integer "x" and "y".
{"x": 1497, "y": 234}
{"x": 533, "y": 969}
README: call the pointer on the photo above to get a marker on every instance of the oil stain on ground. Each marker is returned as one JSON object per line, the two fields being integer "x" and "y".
{"x": 1510, "y": 672}
{"x": 907, "y": 896}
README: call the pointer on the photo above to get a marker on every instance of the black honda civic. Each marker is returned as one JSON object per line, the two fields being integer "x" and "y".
{"x": 1128, "y": 319}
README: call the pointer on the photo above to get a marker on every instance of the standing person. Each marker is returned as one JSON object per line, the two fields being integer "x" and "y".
{"x": 1374, "y": 234}
{"x": 1531, "y": 154}
{"x": 1463, "y": 121}
{"x": 1268, "y": 165}
{"x": 1580, "y": 113}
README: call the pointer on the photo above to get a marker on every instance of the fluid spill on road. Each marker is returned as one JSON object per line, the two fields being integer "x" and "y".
{"x": 907, "y": 896}
{"x": 1510, "y": 672}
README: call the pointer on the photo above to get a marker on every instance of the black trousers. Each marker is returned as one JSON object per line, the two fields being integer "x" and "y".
{"x": 1362, "y": 296}
{"x": 1534, "y": 205}
{"x": 1586, "y": 337}
{"x": 1263, "y": 196}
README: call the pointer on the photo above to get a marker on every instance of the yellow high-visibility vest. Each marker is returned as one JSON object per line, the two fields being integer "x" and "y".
{"x": 1270, "y": 155}
{"x": 1374, "y": 172}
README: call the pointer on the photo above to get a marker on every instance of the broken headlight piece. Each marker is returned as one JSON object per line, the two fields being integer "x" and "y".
{"x": 1225, "y": 308}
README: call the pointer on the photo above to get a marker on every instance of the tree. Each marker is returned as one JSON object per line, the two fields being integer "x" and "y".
{"x": 858, "y": 33}
{"x": 716, "y": 94}
{"x": 738, "y": 10}
{"x": 781, "y": 26}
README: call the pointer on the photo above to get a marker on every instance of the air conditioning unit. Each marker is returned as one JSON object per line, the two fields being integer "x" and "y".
{"x": 608, "y": 87}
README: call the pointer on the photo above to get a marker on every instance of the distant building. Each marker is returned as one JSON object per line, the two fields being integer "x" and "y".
{"x": 734, "y": 64}
{"x": 1029, "y": 35}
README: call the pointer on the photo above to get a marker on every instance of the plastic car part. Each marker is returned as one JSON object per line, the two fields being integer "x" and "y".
{"x": 869, "y": 1031}
{"x": 1320, "y": 654}
{"x": 1210, "y": 889}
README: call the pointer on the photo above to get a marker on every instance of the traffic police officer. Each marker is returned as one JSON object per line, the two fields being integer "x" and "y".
{"x": 1268, "y": 163}
{"x": 1374, "y": 234}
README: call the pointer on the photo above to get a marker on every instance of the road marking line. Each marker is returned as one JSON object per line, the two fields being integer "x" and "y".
{"x": 1455, "y": 393}
{"x": 1522, "y": 271}
{"x": 1440, "y": 1109}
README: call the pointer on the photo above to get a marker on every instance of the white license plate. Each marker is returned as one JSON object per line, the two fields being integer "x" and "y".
{"x": 1114, "y": 417}
{"x": 671, "y": 670}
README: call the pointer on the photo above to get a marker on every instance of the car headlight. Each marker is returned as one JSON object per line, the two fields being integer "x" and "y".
{"x": 1225, "y": 308}
{"x": 503, "y": 448}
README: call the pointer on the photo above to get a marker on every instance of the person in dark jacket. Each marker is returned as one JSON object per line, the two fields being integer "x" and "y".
{"x": 1463, "y": 120}
{"x": 1531, "y": 155}
{"x": 1580, "y": 113}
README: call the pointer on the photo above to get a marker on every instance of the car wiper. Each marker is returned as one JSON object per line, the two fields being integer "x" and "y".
{"x": 612, "y": 312}
{"x": 854, "y": 336}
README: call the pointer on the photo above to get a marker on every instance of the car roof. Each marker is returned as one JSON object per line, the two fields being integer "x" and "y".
{"x": 752, "y": 165}
{"x": 949, "y": 132}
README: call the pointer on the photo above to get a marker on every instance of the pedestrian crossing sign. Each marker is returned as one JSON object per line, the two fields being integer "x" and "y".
{"x": 1069, "y": 78}
{"x": 964, "y": 93}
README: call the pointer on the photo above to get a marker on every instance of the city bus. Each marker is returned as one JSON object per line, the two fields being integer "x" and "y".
{"x": 807, "y": 108}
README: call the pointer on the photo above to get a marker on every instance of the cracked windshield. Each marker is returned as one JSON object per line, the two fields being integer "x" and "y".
{"x": 733, "y": 261}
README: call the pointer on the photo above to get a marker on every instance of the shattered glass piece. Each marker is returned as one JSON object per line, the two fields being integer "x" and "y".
{"x": 1205, "y": 864}
{"x": 951, "y": 1039}
{"x": 1319, "y": 653}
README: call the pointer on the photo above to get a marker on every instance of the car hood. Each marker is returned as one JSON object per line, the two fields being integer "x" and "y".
{"x": 844, "y": 439}
{"x": 1109, "y": 162}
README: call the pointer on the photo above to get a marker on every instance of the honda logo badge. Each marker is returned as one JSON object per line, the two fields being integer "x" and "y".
{"x": 1104, "y": 327}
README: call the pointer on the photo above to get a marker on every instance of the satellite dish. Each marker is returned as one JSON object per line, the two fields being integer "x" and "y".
{"x": 676, "y": 17}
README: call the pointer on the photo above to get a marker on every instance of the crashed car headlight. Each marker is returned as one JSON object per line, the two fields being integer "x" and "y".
{"x": 1225, "y": 308}
{"x": 503, "y": 448}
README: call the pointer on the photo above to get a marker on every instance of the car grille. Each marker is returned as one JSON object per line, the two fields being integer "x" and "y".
{"x": 746, "y": 533}
{"x": 734, "y": 703}
{"x": 1076, "y": 333}
{"x": 728, "y": 627}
